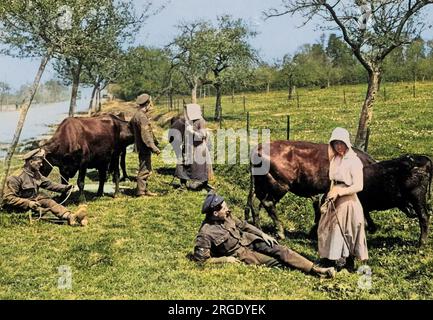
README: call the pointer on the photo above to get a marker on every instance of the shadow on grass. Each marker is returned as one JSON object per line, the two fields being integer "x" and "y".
{"x": 391, "y": 242}
{"x": 166, "y": 171}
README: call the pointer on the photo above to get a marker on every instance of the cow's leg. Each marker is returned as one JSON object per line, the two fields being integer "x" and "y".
{"x": 102, "y": 178}
{"x": 272, "y": 211}
{"x": 64, "y": 179}
{"x": 80, "y": 183}
{"x": 316, "y": 206}
{"x": 123, "y": 165}
{"x": 423, "y": 217}
{"x": 371, "y": 226}
{"x": 116, "y": 175}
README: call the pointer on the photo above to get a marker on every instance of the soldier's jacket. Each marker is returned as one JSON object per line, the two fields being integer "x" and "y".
{"x": 22, "y": 189}
{"x": 218, "y": 239}
{"x": 142, "y": 128}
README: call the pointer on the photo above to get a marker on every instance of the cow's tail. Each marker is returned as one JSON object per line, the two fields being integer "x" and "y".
{"x": 249, "y": 207}
{"x": 429, "y": 195}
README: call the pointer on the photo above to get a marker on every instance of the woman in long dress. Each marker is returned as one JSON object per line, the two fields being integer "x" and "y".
{"x": 341, "y": 233}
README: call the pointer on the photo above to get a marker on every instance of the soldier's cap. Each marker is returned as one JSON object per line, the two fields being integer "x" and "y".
{"x": 142, "y": 99}
{"x": 37, "y": 153}
{"x": 211, "y": 202}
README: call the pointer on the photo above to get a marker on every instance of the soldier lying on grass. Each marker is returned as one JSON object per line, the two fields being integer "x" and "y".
{"x": 224, "y": 238}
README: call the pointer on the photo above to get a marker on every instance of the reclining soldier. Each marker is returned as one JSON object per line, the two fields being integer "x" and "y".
{"x": 224, "y": 238}
{"x": 22, "y": 192}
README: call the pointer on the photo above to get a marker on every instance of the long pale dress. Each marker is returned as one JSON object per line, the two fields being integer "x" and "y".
{"x": 348, "y": 171}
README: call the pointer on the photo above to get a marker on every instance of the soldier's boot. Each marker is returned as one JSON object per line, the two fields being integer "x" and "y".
{"x": 78, "y": 217}
{"x": 323, "y": 272}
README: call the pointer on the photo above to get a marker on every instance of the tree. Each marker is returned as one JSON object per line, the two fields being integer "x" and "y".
{"x": 189, "y": 54}
{"x": 372, "y": 29}
{"x": 4, "y": 91}
{"x": 288, "y": 72}
{"x": 227, "y": 47}
{"x": 144, "y": 69}
{"x": 96, "y": 32}
{"x": 28, "y": 29}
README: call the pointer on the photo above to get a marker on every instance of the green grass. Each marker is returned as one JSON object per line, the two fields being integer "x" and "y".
{"x": 136, "y": 248}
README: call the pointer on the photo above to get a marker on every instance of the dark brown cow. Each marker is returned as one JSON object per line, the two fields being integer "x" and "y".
{"x": 296, "y": 166}
{"x": 403, "y": 183}
{"x": 89, "y": 142}
{"x": 303, "y": 167}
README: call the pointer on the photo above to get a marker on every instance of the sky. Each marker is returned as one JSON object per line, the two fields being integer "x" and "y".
{"x": 277, "y": 36}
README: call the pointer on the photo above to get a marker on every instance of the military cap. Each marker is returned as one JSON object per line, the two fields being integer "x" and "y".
{"x": 37, "y": 153}
{"x": 211, "y": 202}
{"x": 142, "y": 99}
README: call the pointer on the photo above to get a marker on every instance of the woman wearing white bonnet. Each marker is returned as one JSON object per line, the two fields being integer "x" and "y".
{"x": 341, "y": 233}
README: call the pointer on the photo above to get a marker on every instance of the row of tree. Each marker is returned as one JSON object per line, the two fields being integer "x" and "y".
{"x": 50, "y": 91}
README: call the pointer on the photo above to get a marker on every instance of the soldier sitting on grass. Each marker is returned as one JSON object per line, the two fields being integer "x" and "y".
{"x": 224, "y": 238}
{"x": 22, "y": 192}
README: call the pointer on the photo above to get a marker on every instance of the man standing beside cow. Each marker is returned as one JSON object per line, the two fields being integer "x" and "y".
{"x": 145, "y": 143}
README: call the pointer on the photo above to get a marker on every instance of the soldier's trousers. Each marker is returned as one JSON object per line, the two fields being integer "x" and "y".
{"x": 144, "y": 172}
{"x": 260, "y": 253}
{"x": 57, "y": 209}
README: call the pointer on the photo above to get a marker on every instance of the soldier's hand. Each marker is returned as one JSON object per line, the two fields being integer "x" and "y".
{"x": 232, "y": 259}
{"x": 157, "y": 151}
{"x": 34, "y": 205}
{"x": 270, "y": 241}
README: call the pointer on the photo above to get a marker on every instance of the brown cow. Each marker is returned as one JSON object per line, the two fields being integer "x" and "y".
{"x": 88, "y": 142}
{"x": 296, "y": 166}
{"x": 302, "y": 168}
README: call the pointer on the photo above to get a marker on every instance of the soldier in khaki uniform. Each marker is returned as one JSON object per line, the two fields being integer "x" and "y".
{"x": 224, "y": 238}
{"x": 145, "y": 143}
{"x": 22, "y": 191}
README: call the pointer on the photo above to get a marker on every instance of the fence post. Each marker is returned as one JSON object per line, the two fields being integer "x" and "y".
{"x": 244, "y": 104}
{"x": 414, "y": 89}
{"x": 297, "y": 98}
{"x": 221, "y": 118}
{"x": 384, "y": 93}
{"x": 344, "y": 97}
{"x": 288, "y": 127}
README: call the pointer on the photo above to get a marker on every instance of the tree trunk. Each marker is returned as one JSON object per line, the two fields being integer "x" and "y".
{"x": 99, "y": 99}
{"x": 290, "y": 90}
{"x": 194, "y": 93}
{"x": 92, "y": 100}
{"x": 361, "y": 140}
{"x": 75, "y": 85}
{"x": 218, "y": 107}
{"x": 24, "y": 109}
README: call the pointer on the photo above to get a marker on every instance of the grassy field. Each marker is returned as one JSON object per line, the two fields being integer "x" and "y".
{"x": 136, "y": 248}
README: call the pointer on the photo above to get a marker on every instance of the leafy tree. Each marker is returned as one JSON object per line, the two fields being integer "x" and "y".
{"x": 97, "y": 31}
{"x": 188, "y": 53}
{"x": 227, "y": 46}
{"x": 4, "y": 91}
{"x": 145, "y": 69}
